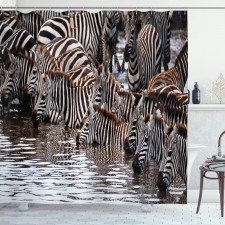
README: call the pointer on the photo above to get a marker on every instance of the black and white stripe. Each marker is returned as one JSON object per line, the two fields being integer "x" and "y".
{"x": 161, "y": 21}
{"x": 102, "y": 127}
{"x": 143, "y": 53}
{"x": 65, "y": 94}
{"x": 175, "y": 158}
{"x": 19, "y": 39}
{"x": 109, "y": 39}
{"x": 177, "y": 75}
{"x": 85, "y": 27}
{"x": 151, "y": 143}
{"x": 21, "y": 66}
{"x": 5, "y": 32}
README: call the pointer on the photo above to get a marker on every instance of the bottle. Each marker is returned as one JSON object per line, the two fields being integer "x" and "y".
{"x": 196, "y": 94}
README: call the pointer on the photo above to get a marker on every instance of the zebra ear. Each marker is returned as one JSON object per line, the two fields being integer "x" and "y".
{"x": 47, "y": 79}
{"x": 11, "y": 57}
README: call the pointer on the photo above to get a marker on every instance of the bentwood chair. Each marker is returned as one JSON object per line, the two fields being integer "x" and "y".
{"x": 216, "y": 165}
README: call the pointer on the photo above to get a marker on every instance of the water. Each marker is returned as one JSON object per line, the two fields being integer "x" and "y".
{"x": 46, "y": 166}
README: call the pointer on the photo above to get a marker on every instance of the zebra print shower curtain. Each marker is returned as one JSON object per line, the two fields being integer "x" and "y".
{"x": 94, "y": 106}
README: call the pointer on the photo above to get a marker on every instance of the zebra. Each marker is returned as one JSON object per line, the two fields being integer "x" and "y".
{"x": 5, "y": 32}
{"x": 173, "y": 103}
{"x": 143, "y": 53}
{"x": 44, "y": 62}
{"x": 33, "y": 21}
{"x": 177, "y": 75}
{"x": 21, "y": 66}
{"x": 134, "y": 130}
{"x": 55, "y": 48}
{"x": 14, "y": 22}
{"x": 109, "y": 39}
{"x": 62, "y": 93}
{"x": 61, "y": 54}
{"x": 151, "y": 143}
{"x": 72, "y": 59}
{"x": 61, "y": 45}
{"x": 85, "y": 27}
{"x": 175, "y": 158}
{"x": 19, "y": 39}
{"x": 102, "y": 127}
{"x": 108, "y": 87}
{"x": 161, "y": 21}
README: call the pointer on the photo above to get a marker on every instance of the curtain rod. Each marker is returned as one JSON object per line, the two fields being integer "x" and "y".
{"x": 108, "y": 8}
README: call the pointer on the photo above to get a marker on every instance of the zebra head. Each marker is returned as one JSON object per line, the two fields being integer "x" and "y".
{"x": 168, "y": 167}
{"x": 87, "y": 133}
{"x": 133, "y": 133}
{"x": 11, "y": 83}
{"x": 112, "y": 19}
{"x": 35, "y": 79}
{"x": 31, "y": 86}
{"x": 131, "y": 35}
{"x": 130, "y": 47}
{"x": 41, "y": 108}
{"x": 117, "y": 107}
{"x": 143, "y": 155}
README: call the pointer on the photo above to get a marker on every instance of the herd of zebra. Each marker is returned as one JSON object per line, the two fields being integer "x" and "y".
{"x": 60, "y": 67}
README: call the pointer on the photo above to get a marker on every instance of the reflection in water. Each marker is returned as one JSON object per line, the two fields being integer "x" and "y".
{"x": 46, "y": 166}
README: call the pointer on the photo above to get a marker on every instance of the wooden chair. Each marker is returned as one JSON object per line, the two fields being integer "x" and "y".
{"x": 220, "y": 178}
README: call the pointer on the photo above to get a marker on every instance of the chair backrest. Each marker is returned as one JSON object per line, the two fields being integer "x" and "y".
{"x": 219, "y": 144}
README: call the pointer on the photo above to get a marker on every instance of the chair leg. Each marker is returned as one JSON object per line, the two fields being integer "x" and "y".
{"x": 222, "y": 192}
{"x": 200, "y": 191}
{"x": 220, "y": 189}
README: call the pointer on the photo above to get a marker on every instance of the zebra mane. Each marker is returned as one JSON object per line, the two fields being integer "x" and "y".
{"x": 128, "y": 93}
{"x": 47, "y": 55}
{"x": 182, "y": 52}
{"x": 107, "y": 114}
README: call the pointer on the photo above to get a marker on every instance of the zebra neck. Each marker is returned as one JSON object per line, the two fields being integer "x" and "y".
{"x": 133, "y": 71}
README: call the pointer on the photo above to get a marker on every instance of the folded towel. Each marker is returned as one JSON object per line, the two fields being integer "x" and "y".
{"x": 215, "y": 163}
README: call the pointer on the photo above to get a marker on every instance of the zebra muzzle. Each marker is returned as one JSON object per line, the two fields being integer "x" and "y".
{"x": 78, "y": 137}
{"x": 160, "y": 182}
{"x": 4, "y": 98}
{"x": 135, "y": 164}
{"x": 127, "y": 148}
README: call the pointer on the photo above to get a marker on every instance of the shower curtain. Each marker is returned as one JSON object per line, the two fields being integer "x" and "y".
{"x": 93, "y": 106}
